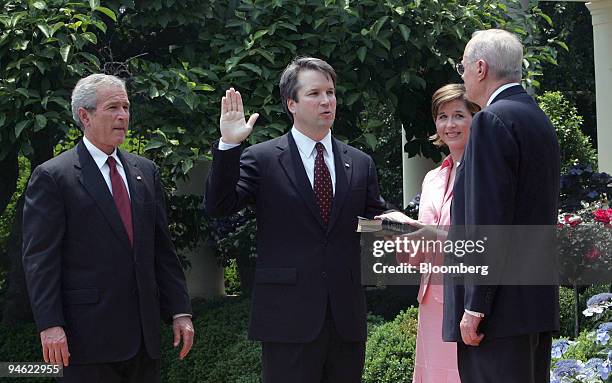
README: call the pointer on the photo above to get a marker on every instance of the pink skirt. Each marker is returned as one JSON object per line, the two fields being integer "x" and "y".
{"x": 435, "y": 361}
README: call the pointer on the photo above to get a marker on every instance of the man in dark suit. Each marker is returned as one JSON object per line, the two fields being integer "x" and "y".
{"x": 307, "y": 188}
{"x": 99, "y": 262}
{"x": 509, "y": 175}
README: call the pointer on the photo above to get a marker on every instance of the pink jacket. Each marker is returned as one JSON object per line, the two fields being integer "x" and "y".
{"x": 434, "y": 209}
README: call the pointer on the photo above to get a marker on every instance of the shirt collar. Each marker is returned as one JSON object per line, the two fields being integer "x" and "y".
{"x": 447, "y": 162}
{"x": 99, "y": 156}
{"x": 499, "y": 90}
{"x": 306, "y": 145}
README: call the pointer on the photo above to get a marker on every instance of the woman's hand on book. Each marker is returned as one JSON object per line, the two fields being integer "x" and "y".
{"x": 400, "y": 217}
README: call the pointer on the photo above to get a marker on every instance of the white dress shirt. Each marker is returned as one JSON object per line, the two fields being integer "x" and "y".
{"x": 100, "y": 159}
{"x": 499, "y": 90}
{"x": 308, "y": 153}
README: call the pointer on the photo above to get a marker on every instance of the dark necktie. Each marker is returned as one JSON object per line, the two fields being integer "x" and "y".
{"x": 121, "y": 197}
{"x": 322, "y": 184}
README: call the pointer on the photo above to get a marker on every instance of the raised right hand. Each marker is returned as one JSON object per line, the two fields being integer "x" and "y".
{"x": 55, "y": 346}
{"x": 234, "y": 128}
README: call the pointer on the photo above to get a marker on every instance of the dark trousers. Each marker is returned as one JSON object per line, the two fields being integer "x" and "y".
{"x": 138, "y": 369}
{"x": 516, "y": 359}
{"x": 327, "y": 359}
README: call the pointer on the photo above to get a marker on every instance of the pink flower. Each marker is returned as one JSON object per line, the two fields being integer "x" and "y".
{"x": 572, "y": 220}
{"x": 593, "y": 254}
{"x": 603, "y": 215}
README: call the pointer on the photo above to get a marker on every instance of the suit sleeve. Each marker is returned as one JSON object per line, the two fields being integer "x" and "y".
{"x": 173, "y": 295}
{"x": 232, "y": 182}
{"x": 375, "y": 204}
{"x": 43, "y": 232}
{"x": 491, "y": 163}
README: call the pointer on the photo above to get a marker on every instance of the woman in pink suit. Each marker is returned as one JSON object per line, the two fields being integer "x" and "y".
{"x": 436, "y": 361}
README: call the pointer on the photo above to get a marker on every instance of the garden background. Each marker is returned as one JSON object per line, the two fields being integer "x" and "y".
{"x": 178, "y": 57}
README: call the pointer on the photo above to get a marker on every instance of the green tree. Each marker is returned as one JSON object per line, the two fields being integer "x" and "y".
{"x": 576, "y": 148}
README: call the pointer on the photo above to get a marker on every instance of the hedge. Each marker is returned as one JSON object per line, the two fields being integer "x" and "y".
{"x": 222, "y": 353}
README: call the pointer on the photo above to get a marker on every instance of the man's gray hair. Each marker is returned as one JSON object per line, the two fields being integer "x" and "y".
{"x": 84, "y": 94}
{"x": 502, "y": 51}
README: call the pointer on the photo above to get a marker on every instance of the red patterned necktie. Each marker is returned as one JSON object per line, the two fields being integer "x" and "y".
{"x": 121, "y": 197}
{"x": 322, "y": 184}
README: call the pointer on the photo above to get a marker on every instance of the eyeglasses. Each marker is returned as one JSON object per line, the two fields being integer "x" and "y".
{"x": 460, "y": 68}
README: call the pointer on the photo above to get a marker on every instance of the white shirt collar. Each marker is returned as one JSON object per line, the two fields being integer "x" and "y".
{"x": 499, "y": 90}
{"x": 306, "y": 145}
{"x": 99, "y": 156}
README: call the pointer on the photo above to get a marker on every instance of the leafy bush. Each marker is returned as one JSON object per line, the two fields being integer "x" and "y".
{"x": 581, "y": 185}
{"x": 589, "y": 357}
{"x": 20, "y": 344}
{"x": 221, "y": 352}
{"x": 389, "y": 301}
{"x": 391, "y": 349}
{"x": 6, "y": 219}
{"x": 576, "y": 148}
{"x": 231, "y": 278}
{"x": 568, "y": 313}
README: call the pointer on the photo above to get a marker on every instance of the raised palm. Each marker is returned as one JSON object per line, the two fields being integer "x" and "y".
{"x": 234, "y": 128}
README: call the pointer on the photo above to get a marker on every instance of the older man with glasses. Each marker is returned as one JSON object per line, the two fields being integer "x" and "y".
{"x": 509, "y": 175}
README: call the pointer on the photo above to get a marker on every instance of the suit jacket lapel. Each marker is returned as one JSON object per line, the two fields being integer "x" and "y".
{"x": 135, "y": 183}
{"x": 343, "y": 164}
{"x": 92, "y": 180}
{"x": 291, "y": 162}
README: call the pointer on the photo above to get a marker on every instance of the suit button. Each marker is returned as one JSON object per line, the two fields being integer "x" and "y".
{"x": 324, "y": 275}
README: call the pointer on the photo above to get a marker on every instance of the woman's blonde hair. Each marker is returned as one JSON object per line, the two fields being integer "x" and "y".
{"x": 448, "y": 93}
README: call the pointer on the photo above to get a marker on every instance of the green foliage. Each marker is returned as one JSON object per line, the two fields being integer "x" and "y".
{"x": 390, "y": 350}
{"x": 573, "y": 24}
{"x": 389, "y": 301}
{"x": 584, "y": 349}
{"x": 221, "y": 352}
{"x": 389, "y": 55}
{"x": 575, "y": 145}
{"x": 231, "y": 278}
{"x": 21, "y": 344}
{"x": 6, "y": 218}
{"x": 567, "y": 312}
{"x": 44, "y": 48}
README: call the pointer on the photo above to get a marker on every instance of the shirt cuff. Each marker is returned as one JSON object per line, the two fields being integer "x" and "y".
{"x": 224, "y": 146}
{"x": 475, "y": 313}
{"x": 180, "y": 315}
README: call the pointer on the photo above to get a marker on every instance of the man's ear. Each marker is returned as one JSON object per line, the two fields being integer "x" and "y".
{"x": 482, "y": 69}
{"x": 291, "y": 105}
{"x": 84, "y": 117}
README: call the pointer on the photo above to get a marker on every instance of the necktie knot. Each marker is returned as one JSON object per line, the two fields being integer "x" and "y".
{"x": 319, "y": 146}
{"x": 112, "y": 163}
